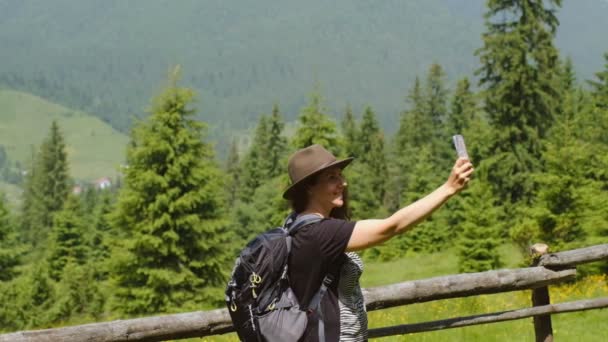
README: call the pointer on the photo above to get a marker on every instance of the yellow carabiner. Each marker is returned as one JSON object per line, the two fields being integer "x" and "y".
{"x": 271, "y": 306}
{"x": 233, "y": 306}
{"x": 255, "y": 278}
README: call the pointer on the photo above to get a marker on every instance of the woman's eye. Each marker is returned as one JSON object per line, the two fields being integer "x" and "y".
{"x": 334, "y": 177}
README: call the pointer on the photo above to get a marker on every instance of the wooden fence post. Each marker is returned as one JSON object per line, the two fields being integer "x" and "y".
{"x": 543, "y": 329}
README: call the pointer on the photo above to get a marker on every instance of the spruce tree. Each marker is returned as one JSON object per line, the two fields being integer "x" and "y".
{"x": 254, "y": 170}
{"x": 367, "y": 177}
{"x": 571, "y": 204}
{"x": 462, "y": 109}
{"x": 520, "y": 76}
{"x": 170, "y": 210}
{"x": 47, "y": 186}
{"x": 101, "y": 234}
{"x": 264, "y": 160}
{"x": 478, "y": 245}
{"x": 372, "y": 158}
{"x": 233, "y": 171}
{"x": 316, "y": 127}
{"x": 436, "y": 96}
{"x": 10, "y": 252}
{"x": 350, "y": 133}
{"x": 67, "y": 239}
{"x": 33, "y": 297}
{"x": 415, "y": 127}
{"x": 412, "y": 136}
{"x": 276, "y": 145}
{"x": 53, "y": 182}
{"x": 77, "y": 294}
{"x": 600, "y": 86}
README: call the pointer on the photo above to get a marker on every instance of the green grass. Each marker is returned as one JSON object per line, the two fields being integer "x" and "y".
{"x": 94, "y": 148}
{"x": 422, "y": 266}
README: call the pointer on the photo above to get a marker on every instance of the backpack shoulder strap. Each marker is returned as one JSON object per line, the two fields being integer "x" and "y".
{"x": 293, "y": 222}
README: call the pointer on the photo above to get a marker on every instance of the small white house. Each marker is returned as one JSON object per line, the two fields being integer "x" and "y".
{"x": 102, "y": 183}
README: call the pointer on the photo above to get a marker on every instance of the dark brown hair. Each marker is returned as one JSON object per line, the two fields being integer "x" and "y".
{"x": 299, "y": 200}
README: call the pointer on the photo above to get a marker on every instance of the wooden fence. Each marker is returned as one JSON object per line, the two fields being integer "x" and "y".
{"x": 547, "y": 269}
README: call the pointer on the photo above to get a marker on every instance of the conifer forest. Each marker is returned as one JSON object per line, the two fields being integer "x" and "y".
{"x": 197, "y": 177}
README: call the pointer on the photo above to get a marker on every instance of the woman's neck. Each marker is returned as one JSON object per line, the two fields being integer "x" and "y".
{"x": 312, "y": 209}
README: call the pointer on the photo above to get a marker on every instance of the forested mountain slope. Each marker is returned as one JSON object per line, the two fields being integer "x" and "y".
{"x": 110, "y": 57}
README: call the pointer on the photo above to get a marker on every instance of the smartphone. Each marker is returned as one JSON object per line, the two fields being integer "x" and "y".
{"x": 461, "y": 148}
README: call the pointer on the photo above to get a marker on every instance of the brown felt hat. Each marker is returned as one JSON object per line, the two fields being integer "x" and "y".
{"x": 308, "y": 162}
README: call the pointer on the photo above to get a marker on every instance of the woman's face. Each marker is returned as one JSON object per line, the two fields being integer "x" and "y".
{"x": 328, "y": 191}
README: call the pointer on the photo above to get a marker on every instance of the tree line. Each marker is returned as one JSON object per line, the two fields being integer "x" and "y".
{"x": 164, "y": 240}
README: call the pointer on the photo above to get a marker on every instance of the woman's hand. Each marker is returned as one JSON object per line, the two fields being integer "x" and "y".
{"x": 460, "y": 175}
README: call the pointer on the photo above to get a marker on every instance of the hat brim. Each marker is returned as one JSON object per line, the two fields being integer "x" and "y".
{"x": 339, "y": 163}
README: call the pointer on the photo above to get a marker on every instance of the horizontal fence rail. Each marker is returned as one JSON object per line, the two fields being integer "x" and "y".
{"x": 462, "y": 285}
{"x": 205, "y": 323}
{"x": 496, "y": 317}
{"x": 574, "y": 257}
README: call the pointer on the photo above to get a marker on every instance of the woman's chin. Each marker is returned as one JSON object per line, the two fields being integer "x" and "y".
{"x": 338, "y": 203}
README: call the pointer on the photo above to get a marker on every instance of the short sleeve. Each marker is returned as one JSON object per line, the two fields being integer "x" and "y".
{"x": 333, "y": 237}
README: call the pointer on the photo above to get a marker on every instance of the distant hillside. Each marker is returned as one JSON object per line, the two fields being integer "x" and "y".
{"x": 110, "y": 57}
{"x": 95, "y": 149}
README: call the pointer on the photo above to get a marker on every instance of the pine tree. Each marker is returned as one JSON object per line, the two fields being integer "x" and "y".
{"x": 170, "y": 211}
{"x": 67, "y": 239}
{"x": 315, "y": 127}
{"x": 520, "y": 74}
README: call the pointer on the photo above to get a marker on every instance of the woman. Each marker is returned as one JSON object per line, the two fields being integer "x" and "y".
{"x": 327, "y": 247}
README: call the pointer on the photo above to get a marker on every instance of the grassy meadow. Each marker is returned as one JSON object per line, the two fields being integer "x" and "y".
{"x": 93, "y": 147}
{"x": 578, "y": 326}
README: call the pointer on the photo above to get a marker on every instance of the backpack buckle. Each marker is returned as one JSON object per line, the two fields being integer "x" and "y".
{"x": 328, "y": 280}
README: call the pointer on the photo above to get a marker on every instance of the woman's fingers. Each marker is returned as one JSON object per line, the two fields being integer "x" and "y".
{"x": 463, "y": 171}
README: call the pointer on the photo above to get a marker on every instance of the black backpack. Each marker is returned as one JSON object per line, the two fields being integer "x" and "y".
{"x": 260, "y": 300}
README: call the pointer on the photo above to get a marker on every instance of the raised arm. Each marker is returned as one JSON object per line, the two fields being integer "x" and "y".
{"x": 368, "y": 233}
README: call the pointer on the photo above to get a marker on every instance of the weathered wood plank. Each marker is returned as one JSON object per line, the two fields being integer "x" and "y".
{"x": 462, "y": 285}
{"x": 198, "y": 324}
{"x": 575, "y": 256}
{"x": 158, "y": 328}
{"x": 490, "y": 318}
